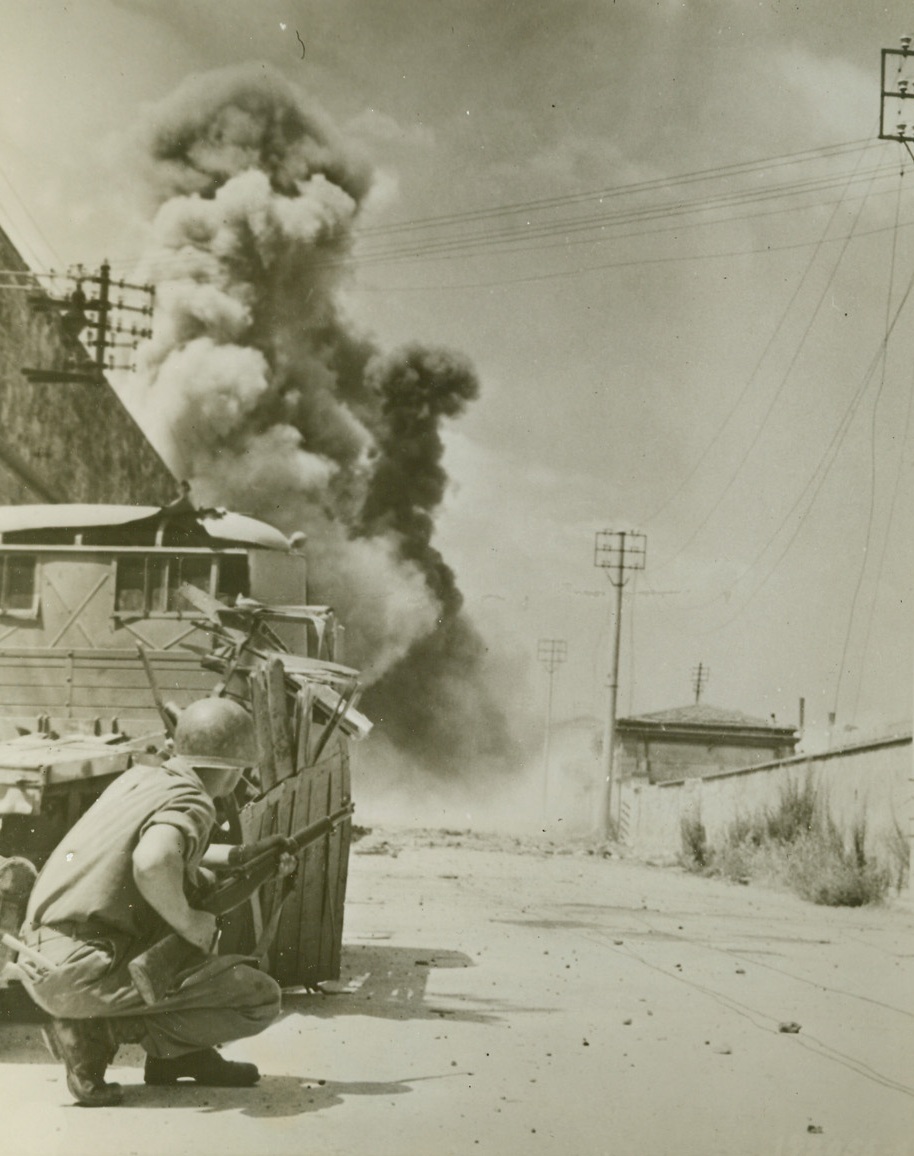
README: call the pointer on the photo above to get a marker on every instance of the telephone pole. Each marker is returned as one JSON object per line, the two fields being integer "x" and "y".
{"x": 896, "y": 113}
{"x": 96, "y": 321}
{"x": 551, "y": 652}
{"x": 615, "y": 551}
{"x": 700, "y": 676}
{"x": 896, "y": 122}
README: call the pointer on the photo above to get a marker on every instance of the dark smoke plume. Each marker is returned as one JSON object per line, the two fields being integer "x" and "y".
{"x": 274, "y": 405}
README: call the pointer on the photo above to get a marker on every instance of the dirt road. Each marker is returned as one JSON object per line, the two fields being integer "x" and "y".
{"x": 504, "y": 1001}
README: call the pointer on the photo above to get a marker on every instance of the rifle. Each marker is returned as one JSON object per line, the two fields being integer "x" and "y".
{"x": 250, "y": 865}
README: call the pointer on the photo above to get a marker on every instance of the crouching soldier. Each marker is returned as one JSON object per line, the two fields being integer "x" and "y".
{"x": 116, "y": 884}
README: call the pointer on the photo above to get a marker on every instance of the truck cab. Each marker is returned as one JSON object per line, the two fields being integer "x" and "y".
{"x": 82, "y": 586}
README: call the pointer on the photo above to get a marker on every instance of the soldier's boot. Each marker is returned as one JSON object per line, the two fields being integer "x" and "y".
{"x": 85, "y": 1048}
{"x": 206, "y": 1067}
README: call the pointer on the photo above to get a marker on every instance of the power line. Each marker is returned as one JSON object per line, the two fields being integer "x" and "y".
{"x": 519, "y": 236}
{"x": 871, "y": 505}
{"x": 637, "y": 262}
{"x": 775, "y": 397}
{"x": 756, "y": 369}
{"x": 34, "y": 223}
{"x": 430, "y": 247}
{"x": 714, "y": 172}
{"x": 886, "y": 538}
{"x": 830, "y": 453}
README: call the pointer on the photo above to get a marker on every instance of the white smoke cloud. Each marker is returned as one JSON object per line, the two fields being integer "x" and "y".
{"x": 276, "y": 406}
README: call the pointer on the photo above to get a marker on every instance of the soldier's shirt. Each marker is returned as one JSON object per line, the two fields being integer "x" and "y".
{"x": 89, "y": 877}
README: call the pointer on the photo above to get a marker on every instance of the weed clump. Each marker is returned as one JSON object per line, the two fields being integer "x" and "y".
{"x": 696, "y": 855}
{"x": 797, "y": 844}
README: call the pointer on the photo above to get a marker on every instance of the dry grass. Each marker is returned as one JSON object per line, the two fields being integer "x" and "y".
{"x": 798, "y": 845}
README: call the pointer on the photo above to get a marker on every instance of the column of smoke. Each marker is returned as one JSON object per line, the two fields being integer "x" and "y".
{"x": 276, "y": 406}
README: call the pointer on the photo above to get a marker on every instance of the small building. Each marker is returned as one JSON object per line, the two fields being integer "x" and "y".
{"x": 690, "y": 742}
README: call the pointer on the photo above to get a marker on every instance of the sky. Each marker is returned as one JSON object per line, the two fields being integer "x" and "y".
{"x": 668, "y": 240}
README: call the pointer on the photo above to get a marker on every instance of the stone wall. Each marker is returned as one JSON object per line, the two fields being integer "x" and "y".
{"x": 63, "y": 441}
{"x": 871, "y": 780}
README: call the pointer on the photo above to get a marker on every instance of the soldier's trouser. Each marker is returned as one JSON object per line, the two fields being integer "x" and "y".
{"x": 223, "y": 999}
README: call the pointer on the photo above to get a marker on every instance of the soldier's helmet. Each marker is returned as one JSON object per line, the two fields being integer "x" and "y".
{"x": 218, "y": 732}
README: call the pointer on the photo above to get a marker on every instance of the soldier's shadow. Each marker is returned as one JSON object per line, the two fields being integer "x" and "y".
{"x": 390, "y": 982}
{"x": 273, "y": 1098}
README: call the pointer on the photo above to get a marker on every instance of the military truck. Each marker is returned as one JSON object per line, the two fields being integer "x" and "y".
{"x": 112, "y": 619}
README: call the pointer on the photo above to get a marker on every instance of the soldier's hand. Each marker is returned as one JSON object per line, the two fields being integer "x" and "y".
{"x": 286, "y": 865}
{"x": 201, "y": 930}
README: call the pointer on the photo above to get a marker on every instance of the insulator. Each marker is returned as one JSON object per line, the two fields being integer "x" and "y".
{"x": 905, "y": 43}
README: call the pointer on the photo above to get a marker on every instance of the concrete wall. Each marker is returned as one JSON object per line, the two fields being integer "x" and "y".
{"x": 64, "y": 442}
{"x": 872, "y": 780}
{"x": 659, "y": 759}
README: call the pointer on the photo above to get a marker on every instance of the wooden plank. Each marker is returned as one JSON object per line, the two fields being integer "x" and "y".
{"x": 328, "y": 904}
{"x": 259, "y": 907}
{"x": 331, "y": 704}
{"x": 31, "y": 676}
{"x": 112, "y": 697}
{"x": 337, "y": 869}
{"x": 35, "y": 699}
{"x": 128, "y": 679}
{"x": 134, "y": 678}
{"x": 303, "y": 714}
{"x": 285, "y": 964}
{"x": 280, "y": 730}
{"x": 314, "y": 877}
{"x": 261, "y": 706}
{"x": 38, "y": 657}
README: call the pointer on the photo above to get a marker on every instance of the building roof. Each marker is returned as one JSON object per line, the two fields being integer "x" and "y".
{"x": 221, "y": 525}
{"x": 704, "y": 717}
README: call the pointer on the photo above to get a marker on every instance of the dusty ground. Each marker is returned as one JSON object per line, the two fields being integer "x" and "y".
{"x": 503, "y": 998}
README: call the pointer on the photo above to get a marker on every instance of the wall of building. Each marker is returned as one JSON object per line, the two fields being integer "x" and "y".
{"x": 871, "y": 780}
{"x": 668, "y": 760}
{"x": 63, "y": 442}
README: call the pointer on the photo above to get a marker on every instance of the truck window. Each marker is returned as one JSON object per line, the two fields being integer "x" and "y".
{"x": 191, "y": 571}
{"x": 149, "y": 584}
{"x": 18, "y": 585}
{"x": 233, "y": 578}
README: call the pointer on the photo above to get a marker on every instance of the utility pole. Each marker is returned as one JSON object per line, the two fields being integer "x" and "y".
{"x": 615, "y": 551}
{"x": 700, "y": 675}
{"x": 100, "y": 316}
{"x": 551, "y": 652}
{"x": 896, "y": 122}
{"x": 895, "y": 113}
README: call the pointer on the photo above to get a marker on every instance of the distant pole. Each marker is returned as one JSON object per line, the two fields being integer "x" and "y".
{"x": 896, "y": 113}
{"x": 551, "y": 652}
{"x": 700, "y": 676}
{"x": 615, "y": 551}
